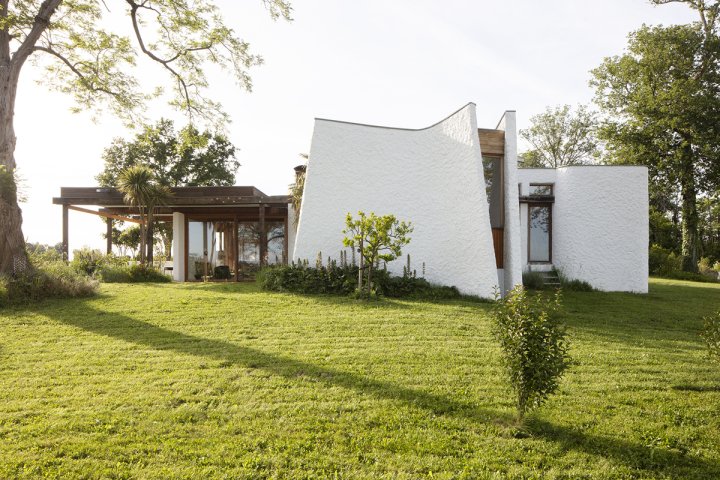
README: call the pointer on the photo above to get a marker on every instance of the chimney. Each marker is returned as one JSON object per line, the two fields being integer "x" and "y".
{"x": 299, "y": 172}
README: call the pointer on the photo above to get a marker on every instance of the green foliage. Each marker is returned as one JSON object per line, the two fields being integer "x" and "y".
{"x": 50, "y": 277}
{"x": 667, "y": 264}
{"x": 559, "y": 137}
{"x": 188, "y": 158}
{"x": 533, "y": 280}
{"x": 141, "y": 189}
{"x": 662, "y": 110}
{"x": 534, "y": 345}
{"x": 376, "y": 239}
{"x": 242, "y": 383}
{"x": 662, "y": 261}
{"x": 342, "y": 279}
{"x": 573, "y": 284}
{"x": 711, "y": 335}
{"x": 89, "y": 261}
{"x": 132, "y": 274}
{"x": 87, "y": 59}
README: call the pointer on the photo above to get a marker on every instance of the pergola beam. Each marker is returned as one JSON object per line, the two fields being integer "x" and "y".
{"x": 102, "y": 214}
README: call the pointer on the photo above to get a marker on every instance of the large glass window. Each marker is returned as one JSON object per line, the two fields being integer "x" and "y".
{"x": 275, "y": 242}
{"x": 539, "y": 232}
{"x": 492, "y": 168}
{"x": 248, "y": 243}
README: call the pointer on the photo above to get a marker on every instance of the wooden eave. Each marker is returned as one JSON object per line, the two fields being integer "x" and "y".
{"x": 492, "y": 142}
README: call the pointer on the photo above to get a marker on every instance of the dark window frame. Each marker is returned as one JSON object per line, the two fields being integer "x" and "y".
{"x": 549, "y": 206}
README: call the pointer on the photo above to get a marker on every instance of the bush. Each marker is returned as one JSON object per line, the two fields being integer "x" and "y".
{"x": 534, "y": 345}
{"x": 706, "y": 269}
{"x": 49, "y": 278}
{"x": 662, "y": 261}
{"x": 337, "y": 279}
{"x": 711, "y": 335}
{"x": 132, "y": 274}
{"x": 92, "y": 261}
{"x": 533, "y": 280}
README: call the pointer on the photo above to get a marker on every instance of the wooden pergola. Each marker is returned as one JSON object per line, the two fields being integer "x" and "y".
{"x": 239, "y": 203}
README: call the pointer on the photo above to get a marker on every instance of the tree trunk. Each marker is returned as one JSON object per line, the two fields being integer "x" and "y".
{"x": 149, "y": 242}
{"x": 689, "y": 211}
{"x": 13, "y": 258}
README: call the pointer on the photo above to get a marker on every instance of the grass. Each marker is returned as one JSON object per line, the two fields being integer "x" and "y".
{"x": 226, "y": 381}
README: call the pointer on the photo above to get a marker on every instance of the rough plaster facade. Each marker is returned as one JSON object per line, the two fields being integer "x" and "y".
{"x": 432, "y": 177}
{"x": 512, "y": 262}
{"x": 599, "y": 224}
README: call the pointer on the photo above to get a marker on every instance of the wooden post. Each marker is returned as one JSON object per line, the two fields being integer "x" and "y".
{"x": 263, "y": 237}
{"x": 108, "y": 222}
{"x": 65, "y": 222}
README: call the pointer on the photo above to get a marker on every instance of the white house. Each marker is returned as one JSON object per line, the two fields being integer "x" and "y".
{"x": 479, "y": 220}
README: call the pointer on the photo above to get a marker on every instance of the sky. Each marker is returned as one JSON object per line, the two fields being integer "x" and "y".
{"x": 400, "y": 63}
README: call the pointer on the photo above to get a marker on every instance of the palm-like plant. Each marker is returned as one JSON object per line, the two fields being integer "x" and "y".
{"x": 140, "y": 189}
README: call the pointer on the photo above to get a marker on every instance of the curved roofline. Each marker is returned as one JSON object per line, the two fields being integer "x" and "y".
{"x": 398, "y": 128}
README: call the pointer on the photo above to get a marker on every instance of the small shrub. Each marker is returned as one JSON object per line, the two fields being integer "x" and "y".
{"x": 337, "y": 279}
{"x": 47, "y": 279}
{"x": 711, "y": 335}
{"x": 132, "y": 274}
{"x": 534, "y": 345}
{"x": 573, "y": 284}
{"x": 91, "y": 261}
{"x": 533, "y": 280}
{"x": 690, "y": 276}
{"x": 662, "y": 261}
{"x": 705, "y": 268}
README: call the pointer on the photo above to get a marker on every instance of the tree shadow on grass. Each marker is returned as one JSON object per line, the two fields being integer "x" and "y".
{"x": 642, "y": 459}
{"x": 646, "y": 461}
{"x": 125, "y": 328}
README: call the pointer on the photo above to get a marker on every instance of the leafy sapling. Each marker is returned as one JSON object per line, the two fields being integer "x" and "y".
{"x": 534, "y": 346}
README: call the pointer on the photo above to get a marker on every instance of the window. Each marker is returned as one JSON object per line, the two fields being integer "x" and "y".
{"x": 541, "y": 189}
{"x": 493, "y": 170}
{"x": 539, "y": 233}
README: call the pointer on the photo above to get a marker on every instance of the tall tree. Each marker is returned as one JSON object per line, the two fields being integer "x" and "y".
{"x": 188, "y": 158}
{"x": 662, "y": 104}
{"x": 560, "y": 137}
{"x": 93, "y": 64}
{"x": 141, "y": 190}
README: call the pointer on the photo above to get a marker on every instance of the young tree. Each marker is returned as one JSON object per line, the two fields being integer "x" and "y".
{"x": 376, "y": 239}
{"x": 93, "y": 64}
{"x": 663, "y": 110}
{"x": 560, "y": 137}
{"x": 534, "y": 346}
{"x": 140, "y": 189}
{"x": 185, "y": 159}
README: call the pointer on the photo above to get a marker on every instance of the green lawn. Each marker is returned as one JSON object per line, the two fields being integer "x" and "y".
{"x": 222, "y": 380}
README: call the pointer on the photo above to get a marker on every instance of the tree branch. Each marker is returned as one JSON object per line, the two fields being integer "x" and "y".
{"x": 41, "y": 23}
{"x": 90, "y": 85}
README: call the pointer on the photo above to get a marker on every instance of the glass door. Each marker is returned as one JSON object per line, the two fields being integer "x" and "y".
{"x": 540, "y": 233}
{"x": 211, "y": 250}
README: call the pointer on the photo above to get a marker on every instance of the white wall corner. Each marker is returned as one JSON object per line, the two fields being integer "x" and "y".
{"x": 512, "y": 242}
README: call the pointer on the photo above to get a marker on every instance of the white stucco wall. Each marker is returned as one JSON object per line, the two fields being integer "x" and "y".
{"x": 600, "y": 224}
{"x": 178, "y": 247}
{"x": 432, "y": 177}
{"x": 512, "y": 261}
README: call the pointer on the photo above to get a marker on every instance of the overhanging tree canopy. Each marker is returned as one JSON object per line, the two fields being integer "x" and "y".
{"x": 88, "y": 60}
